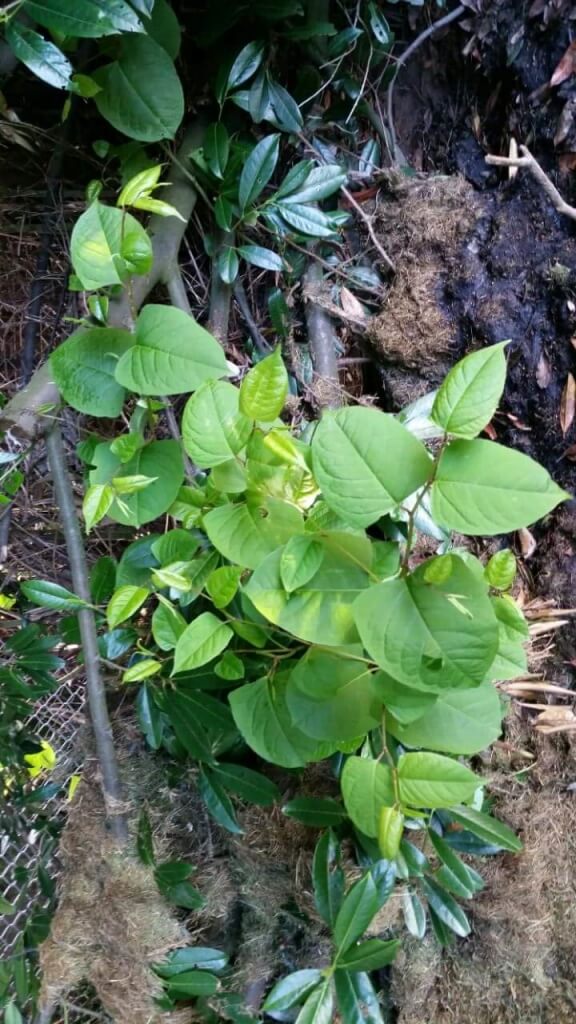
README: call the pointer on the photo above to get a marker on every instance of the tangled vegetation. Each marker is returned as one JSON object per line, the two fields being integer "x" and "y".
{"x": 274, "y": 601}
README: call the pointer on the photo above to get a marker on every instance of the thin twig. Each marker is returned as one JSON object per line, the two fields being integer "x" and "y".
{"x": 358, "y": 209}
{"x": 251, "y": 325}
{"x": 110, "y": 778}
{"x": 368, "y": 223}
{"x": 532, "y": 165}
{"x": 441, "y": 23}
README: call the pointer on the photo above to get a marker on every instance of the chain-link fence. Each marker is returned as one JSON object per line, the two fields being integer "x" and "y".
{"x": 57, "y": 719}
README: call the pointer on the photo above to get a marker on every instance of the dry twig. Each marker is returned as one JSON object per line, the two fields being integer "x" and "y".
{"x": 531, "y": 164}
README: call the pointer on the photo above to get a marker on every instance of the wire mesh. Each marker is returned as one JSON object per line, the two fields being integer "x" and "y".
{"x": 57, "y": 719}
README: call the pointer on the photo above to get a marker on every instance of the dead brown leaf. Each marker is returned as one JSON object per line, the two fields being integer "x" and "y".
{"x": 565, "y": 67}
{"x": 568, "y": 404}
{"x": 567, "y": 162}
{"x": 570, "y": 453}
{"x": 554, "y": 719}
{"x": 351, "y": 305}
{"x": 527, "y": 543}
{"x": 543, "y": 372}
{"x": 517, "y": 422}
{"x": 565, "y": 121}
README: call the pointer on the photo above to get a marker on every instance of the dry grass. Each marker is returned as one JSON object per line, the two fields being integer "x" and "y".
{"x": 518, "y": 966}
{"x": 422, "y": 229}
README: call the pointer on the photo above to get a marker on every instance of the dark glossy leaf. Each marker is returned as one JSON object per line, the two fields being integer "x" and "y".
{"x": 192, "y": 983}
{"x": 362, "y": 903}
{"x": 246, "y": 64}
{"x": 366, "y": 993}
{"x": 443, "y": 934}
{"x": 455, "y": 875}
{"x": 487, "y": 828}
{"x": 192, "y": 957}
{"x": 259, "y": 105}
{"x": 42, "y": 57}
{"x": 291, "y": 990}
{"x": 149, "y": 717}
{"x": 103, "y": 579}
{"x": 171, "y": 872}
{"x": 314, "y": 811}
{"x": 349, "y": 1002}
{"x": 328, "y": 877}
{"x": 217, "y": 148}
{"x": 184, "y": 894}
{"x": 144, "y": 841}
{"x": 228, "y": 264}
{"x": 258, "y": 170}
{"x": 368, "y": 956}
{"x": 258, "y": 256}
{"x": 446, "y": 908}
{"x": 416, "y": 861}
{"x": 136, "y": 562}
{"x": 218, "y": 802}
{"x": 51, "y": 595}
{"x": 189, "y": 731}
{"x": 141, "y": 94}
{"x": 246, "y": 783}
{"x": 287, "y": 115}
{"x": 319, "y": 1006}
{"x": 414, "y": 914}
{"x": 84, "y": 18}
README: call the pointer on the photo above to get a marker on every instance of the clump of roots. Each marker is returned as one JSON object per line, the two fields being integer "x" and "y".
{"x": 111, "y": 923}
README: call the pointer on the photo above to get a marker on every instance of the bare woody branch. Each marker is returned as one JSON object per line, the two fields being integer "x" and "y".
{"x": 529, "y": 162}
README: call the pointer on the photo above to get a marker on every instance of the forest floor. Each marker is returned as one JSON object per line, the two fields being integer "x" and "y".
{"x": 479, "y": 258}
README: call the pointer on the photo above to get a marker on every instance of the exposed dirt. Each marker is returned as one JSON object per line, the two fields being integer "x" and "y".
{"x": 481, "y": 260}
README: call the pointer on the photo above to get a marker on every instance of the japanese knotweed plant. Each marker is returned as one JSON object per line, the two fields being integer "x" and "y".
{"x": 288, "y": 609}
